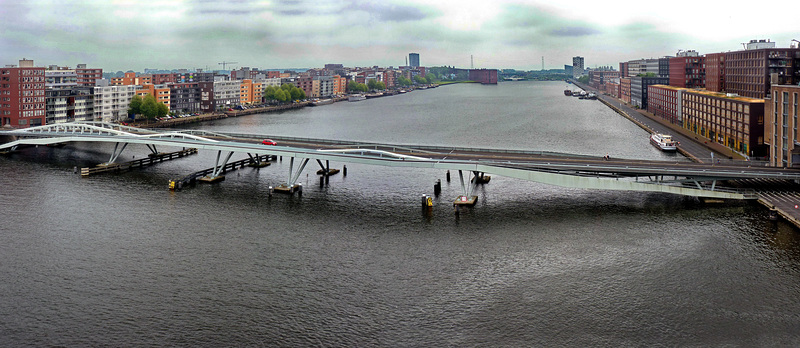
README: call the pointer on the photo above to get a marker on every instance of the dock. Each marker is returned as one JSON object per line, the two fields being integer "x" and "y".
{"x": 202, "y": 175}
{"x": 139, "y": 163}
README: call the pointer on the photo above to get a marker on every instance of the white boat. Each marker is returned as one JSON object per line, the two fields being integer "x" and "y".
{"x": 663, "y": 142}
{"x": 356, "y": 97}
{"x": 322, "y": 102}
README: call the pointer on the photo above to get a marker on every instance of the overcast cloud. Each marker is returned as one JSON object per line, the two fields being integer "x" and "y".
{"x": 125, "y": 34}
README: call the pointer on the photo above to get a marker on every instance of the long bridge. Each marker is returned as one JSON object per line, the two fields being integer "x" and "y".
{"x": 566, "y": 170}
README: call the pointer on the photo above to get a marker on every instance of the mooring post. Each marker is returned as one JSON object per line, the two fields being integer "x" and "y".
{"x": 437, "y": 187}
{"x": 448, "y": 175}
{"x": 344, "y": 170}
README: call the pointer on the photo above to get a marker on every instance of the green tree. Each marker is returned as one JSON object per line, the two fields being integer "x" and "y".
{"x": 269, "y": 93}
{"x": 135, "y": 107}
{"x": 162, "y": 110}
{"x": 375, "y": 85}
{"x": 149, "y": 107}
{"x": 430, "y": 78}
{"x": 297, "y": 93}
{"x": 583, "y": 79}
{"x": 403, "y": 81}
{"x": 281, "y": 95}
{"x": 355, "y": 87}
{"x": 420, "y": 80}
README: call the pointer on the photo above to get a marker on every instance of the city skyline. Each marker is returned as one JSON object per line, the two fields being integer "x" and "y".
{"x": 123, "y": 35}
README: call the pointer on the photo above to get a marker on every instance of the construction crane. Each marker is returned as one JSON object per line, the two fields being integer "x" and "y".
{"x": 225, "y": 63}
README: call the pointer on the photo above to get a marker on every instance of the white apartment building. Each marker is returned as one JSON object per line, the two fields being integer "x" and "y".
{"x": 111, "y": 102}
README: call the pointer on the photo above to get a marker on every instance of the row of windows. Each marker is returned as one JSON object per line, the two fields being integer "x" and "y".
{"x": 32, "y": 113}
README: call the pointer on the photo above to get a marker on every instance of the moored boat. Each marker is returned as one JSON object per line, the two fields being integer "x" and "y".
{"x": 567, "y": 92}
{"x": 356, "y": 97}
{"x": 663, "y": 142}
{"x": 322, "y": 102}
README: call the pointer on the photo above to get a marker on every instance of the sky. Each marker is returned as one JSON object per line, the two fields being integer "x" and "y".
{"x": 516, "y": 34}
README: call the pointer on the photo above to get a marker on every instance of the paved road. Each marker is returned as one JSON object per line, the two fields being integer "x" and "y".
{"x": 694, "y": 145}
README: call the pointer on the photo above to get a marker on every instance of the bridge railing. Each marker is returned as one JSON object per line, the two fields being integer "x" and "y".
{"x": 410, "y": 148}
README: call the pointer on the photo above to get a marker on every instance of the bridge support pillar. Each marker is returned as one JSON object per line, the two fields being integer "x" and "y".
{"x": 466, "y": 198}
{"x": 325, "y": 170}
{"x": 291, "y": 186}
{"x": 115, "y": 154}
{"x": 219, "y": 168}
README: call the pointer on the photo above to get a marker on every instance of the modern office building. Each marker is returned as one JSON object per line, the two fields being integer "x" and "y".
{"x": 413, "y": 60}
{"x": 715, "y": 72}
{"x": 22, "y": 95}
{"x": 780, "y": 133}
{"x": 577, "y": 66}
{"x": 687, "y": 71}
{"x": 639, "y": 86}
{"x": 184, "y": 97}
{"x": 752, "y": 71}
{"x": 665, "y": 102}
{"x": 734, "y": 121}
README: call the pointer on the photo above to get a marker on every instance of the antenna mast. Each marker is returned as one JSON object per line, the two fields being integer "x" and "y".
{"x": 471, "y": 62}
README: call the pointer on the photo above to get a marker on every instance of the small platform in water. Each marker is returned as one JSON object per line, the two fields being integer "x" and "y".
{"x": 210, "y": 180}
{"x": 328, "y": 172}
{"x": 464, "y": 200}
{"x": 283, "y": 188}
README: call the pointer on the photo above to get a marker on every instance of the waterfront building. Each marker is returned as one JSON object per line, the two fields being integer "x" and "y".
{"x": 87, "y": 77}
{"x": 160, "y": 79}
{"x": 67, "y": 104}
{"x": 339, "y": 85}
{"x": 484, "y": 76}
{"x": 226, "y": 94}
{"x": 58, "y": 77}
{"x": 413, "y": 60}
{"x": 663, "y": 66}
{"x": 752, "y": 71}
{"x": 715, "y": 72}
{"x": 160, "y": 92}
{"x": 22, "y": 95}
{"x": 639, "y": 86}
{"x": 325, "y": 86}
{"x": 207, "y": 103}
{"x": 734, "y": 121}
{"x": 271, "y": 82}
{"x": 780, "y": 133}
{"x": 184, "y": 97}
{"x": 250, "y": 92}
{"x": 623, "y": 69}
{"x": 598, "y": 77}
{"x": 111, "y": 102}
{"x": 577, "y": 66}
{"x": 130, "y": 79}
{"x": 306, "y": 83}
{"x": 625, "y": 89}
{"x": 665, "y": 102}
{"x": 687, "y": 71}
{"x": 612, "y": 87}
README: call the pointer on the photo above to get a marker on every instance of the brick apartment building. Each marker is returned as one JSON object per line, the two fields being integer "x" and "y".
{"x": 780, "y": 132}
{"x": 22, "y": 95}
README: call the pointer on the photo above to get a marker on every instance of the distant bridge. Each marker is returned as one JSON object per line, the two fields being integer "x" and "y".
{"x": 566, "y": 170}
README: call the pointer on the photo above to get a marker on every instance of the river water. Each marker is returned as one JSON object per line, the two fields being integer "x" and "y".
{"x": 118, "y": 260}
